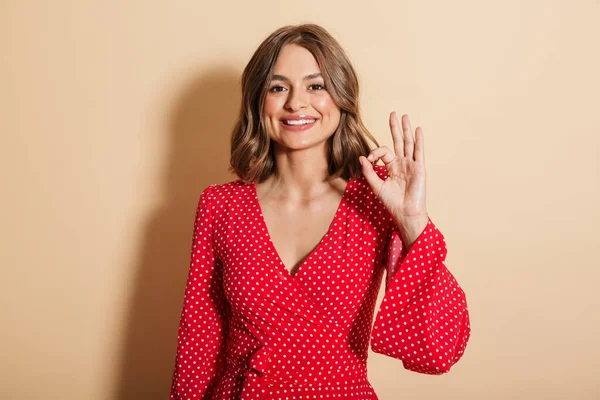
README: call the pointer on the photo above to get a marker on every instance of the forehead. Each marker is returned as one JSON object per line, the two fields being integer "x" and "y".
{"x": 295, "y": 62}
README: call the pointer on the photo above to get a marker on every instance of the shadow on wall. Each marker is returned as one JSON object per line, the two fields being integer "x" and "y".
{"x": 199, "y": 132}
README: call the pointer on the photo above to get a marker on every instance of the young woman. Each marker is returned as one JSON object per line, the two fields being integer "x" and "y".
{"x": 287, "y": 261}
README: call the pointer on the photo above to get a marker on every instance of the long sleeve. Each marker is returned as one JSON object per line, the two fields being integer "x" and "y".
{"x": 203, "y": 325}
{"x": 423, "y": 319}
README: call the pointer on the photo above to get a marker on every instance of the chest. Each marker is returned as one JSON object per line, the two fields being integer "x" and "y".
{"x": 297, "y": 231}
{"x": 277, "y": 254}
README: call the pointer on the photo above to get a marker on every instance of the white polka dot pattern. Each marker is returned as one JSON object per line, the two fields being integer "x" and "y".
{"x": 251, "y": 330}
{"x": 423, "y": 319}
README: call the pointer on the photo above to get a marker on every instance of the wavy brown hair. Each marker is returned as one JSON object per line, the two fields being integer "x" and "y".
{"x": 252, "y": 156}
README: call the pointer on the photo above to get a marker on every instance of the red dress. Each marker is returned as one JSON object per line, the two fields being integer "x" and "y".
{"x": 251, "y": 330}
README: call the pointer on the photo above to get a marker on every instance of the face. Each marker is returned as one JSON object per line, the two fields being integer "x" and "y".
{"x": 299, "y": 111}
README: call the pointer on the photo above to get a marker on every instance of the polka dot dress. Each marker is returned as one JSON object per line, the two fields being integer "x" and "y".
{"x": 251, "y": 330}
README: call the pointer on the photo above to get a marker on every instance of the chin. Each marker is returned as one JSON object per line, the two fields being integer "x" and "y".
{"x": 301, "y": 143}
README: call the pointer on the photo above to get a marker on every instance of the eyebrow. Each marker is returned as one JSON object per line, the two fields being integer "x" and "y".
{"x": 286, "y": 79}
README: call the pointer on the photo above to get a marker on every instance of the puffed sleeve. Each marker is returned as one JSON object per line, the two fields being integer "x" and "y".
{"x": 423, "y": 319}
{"x": 203, "y": 325}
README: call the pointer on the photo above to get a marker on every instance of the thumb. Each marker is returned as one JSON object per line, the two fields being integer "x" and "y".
{"x": 370, "y": 175}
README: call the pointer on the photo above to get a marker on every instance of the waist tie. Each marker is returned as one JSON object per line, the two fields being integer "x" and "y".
{"x": 256, "y": 375}
{"x": 261, "y": 384}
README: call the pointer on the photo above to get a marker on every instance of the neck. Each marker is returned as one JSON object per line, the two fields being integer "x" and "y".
{"x": 300, "y": 174}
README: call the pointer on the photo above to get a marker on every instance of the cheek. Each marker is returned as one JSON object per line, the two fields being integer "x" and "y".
{"x": 326, "y": 105}
{"x": 273, "y": 105}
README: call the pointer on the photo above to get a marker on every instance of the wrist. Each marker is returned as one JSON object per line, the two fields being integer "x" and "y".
{"x": 411, "y": 228}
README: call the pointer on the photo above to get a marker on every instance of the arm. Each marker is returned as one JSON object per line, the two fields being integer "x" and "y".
{"x": 203, "y": 325}
{"x": 423, "y": 319}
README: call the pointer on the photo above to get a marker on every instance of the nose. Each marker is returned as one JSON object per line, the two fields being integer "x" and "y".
{"x": 297, "y": 100}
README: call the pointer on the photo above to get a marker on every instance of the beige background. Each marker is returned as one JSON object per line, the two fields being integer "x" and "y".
{"x": 115, "y": 115}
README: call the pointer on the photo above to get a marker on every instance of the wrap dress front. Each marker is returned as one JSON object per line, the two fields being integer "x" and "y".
{"x": 251, "y": 330}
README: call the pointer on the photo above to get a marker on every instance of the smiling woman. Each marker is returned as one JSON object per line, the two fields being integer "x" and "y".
{"x": 287, "y": 261}
{"x": 293, "y": 67}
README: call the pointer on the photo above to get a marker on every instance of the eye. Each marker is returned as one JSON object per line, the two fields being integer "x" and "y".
{"x": 318, "y": 86}
{"x": 276, "y": 88}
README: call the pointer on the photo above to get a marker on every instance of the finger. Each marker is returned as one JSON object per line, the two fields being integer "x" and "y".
{"x": 409, "y": 142}
{"x": 383, "y": 152}
{"x": 419, "y": 145}
{"x": 370, "y": 175}
{"x": 396, "y": 134}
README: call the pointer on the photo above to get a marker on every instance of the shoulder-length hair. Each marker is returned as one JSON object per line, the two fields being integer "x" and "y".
{"x": 252, "y": 157}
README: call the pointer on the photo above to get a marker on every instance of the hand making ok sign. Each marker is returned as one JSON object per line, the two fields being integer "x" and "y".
{"x": 403, "y": 192}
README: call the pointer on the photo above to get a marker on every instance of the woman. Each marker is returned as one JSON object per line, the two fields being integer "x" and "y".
{"x": 287, "y": 261}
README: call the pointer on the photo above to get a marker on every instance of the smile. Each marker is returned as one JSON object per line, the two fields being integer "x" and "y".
{"x": 296, "y": 122}
{"x": 297, "y": 125}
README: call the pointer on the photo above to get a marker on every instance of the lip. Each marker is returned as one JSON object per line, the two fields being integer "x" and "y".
{"x": 297, "y": 128}
{"x": 296, "y": 117}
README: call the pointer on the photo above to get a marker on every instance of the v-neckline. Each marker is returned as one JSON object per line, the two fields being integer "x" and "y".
{"x": 263, "y": 222}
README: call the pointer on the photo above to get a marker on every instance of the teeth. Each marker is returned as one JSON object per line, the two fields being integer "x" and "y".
{"x": 298, "y": 121}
